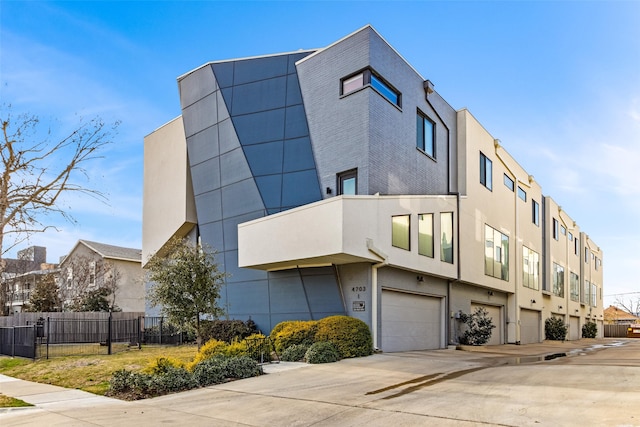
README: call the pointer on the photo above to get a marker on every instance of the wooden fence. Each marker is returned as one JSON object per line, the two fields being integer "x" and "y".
{"x": 26, "y": 319}
{"x": 615, "y": 331}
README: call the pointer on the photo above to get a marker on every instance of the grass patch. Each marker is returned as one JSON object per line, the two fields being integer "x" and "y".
{"x": 90, "y": 373}
{"x": 12, "y": 402}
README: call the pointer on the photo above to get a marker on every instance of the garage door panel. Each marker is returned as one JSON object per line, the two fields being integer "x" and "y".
{"x": 410, "y": 321}
{"x": 495, "y": 315}
{"x": 529, "y": 326}
{"x": 574, "y": 328}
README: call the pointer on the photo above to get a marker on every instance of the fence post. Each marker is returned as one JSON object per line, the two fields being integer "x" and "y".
{"x": 48, "y": 334}
{"x": 13, "y": 342}
{"x": 140, "y": 330}
{"x": 161, "y": 326}
{"x": 109, "y": 330}
{"x": 35, "y": 341}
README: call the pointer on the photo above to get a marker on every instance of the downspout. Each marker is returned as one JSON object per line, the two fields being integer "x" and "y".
{"x": 374, "y": 289}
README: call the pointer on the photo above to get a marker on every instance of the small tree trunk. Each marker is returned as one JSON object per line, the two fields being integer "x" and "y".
{"x": 198, "y": 336}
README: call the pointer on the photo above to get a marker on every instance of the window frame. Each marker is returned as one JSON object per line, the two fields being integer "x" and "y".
{"x": 535, "y": 212}
{"x": 557, "y": 288}
{"x": 486, "y": 174}
{"x": 522, "y": 194}
{"x": 508, "y": 182}
{"x": 447, "y": 256}
{"x": 555, "y": 230}
{"x": 341, "y": 177}
{"x": 530, "y": 262}
{"x": 421, "y": 241}
{"x": 395, "y": 238}
{"x": 372, "y": 79}
{"x": 421, "y": 134}
{"x": 574, "y": 286}
{"x": 493, "y": 251}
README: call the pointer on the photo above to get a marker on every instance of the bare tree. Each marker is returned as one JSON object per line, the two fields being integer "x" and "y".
{"x": 38, "y": 170}
{"x": 630, "y": 305}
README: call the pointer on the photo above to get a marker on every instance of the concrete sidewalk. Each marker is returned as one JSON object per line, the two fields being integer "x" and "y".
{"x": 495, "y": 385}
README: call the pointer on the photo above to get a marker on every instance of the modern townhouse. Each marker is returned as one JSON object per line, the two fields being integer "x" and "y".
{"x": 338, "y": 181}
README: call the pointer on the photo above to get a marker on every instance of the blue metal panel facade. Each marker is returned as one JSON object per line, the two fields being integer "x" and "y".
{"x": 250, "y": 155}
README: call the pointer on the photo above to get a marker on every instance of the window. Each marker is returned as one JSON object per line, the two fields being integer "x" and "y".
{"x": 522, "y": 194}
{"x": 576, "y": 246}
{"x": 555, "y": 229}
{"x": 370, "y": 78}
{"x": 586, "y": 255}
{"x": 426, "y": 134}
{"x": 92, "y": 273}
{"x": 585, "y": 294}
{"x": 535, "y": 212}
{"x": 446, "y": 234}
{"x": 563, "y": 230}
{"x": 574, "y": 287}
{"x": 400, "y": 231}
{"x": 496, "y": 253}
{"x": 348, "y": 182}
{"x": 570, "y": 236}
{"x": 593, "y": 295}
{"x": 425, "y": 235}
{"x": 558, "y": 280}
{"x": 530, "y": 268}
{"x": 486, "y": 171}
{"x": 508, "y": 182}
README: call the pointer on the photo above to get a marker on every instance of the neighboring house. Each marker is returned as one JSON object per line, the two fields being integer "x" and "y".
{"x": 92, "y": 265}
{"x": 21, "y": 275}
{"x": 617, "y": 316}
{"x": 338, "y": 181}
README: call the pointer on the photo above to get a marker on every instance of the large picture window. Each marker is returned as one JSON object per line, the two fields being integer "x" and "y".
{"x": 486, "y": 171}
{"x": 558, "y": 280}
{"x": 425, "y": 134}
{"x": 496, "y": 256}
{"x": 446, "y": 237}
{"x": 530, "y": 268}
{"x": 425, "y": 235}
{"x": 400, "y": 232}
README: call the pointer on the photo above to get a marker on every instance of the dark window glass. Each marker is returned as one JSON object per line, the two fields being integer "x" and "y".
{"x": 535, "y": 212}
{"x": 425, "y": 134}
{"x": 486, "y": 171}
{"x": 555, "y": 229}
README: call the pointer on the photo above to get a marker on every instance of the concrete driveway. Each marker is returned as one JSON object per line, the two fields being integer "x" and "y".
{"x": 597, "y": 383}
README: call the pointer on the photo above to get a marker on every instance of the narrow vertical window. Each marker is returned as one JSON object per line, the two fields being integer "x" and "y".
{"x": 586, "y": 255}
{"x": 508, "y": 182}
{"x": 593, "y": 295}
{"x": 574, "y": 286}
{"x": 446, "y": 237}
{"x": 486, "y": 171}
{"x": 576, "y": 247}
{"x": 535, "y": 212}
{"x": 348, "y": 182}
{"x": 530, "y": 268}
{"x": 496, "y": 255}
{"x": 522, "y": 194}
{"x": 400, "y": 231}
{"x": 555, "y": 229}
{"x": 558, "y": 280}
{"x": 425, "y": 134}
{"x": 425, "y": 235}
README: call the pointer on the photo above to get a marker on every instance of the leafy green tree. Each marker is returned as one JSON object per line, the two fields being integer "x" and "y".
{"x": 186, "y": 284}
{"x": 45, "y": 296}
{"x": 479, "y": 327}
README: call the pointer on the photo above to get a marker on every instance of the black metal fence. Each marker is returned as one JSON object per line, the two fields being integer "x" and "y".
{"x": 159, "y": 331}
{"x": 18, "y": 341}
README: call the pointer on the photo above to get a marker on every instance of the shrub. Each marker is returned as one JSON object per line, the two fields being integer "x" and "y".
{"x": 294, "y": 353}
{"x": 322, "y": 352}
{"x": 240, "y": 367}
{"x": 350, "y": 336}
{"x": 173, "y": 380}
{"x": 208, "y": 350}
{"x": 209, "y": 372}
{"x": 236, "y": 348}
{"x": 227, "y": 330}
{"x": 279, "y": 327}
{"x": 555, "y": 329}
{"x": 589, "y": 330}
{"x": 139, "y": 385}
{"x": 162, "y": 364}
{"x": 298, "y": 332}
{"x": 479, "y": 327}
{"x": 258, "y": 347}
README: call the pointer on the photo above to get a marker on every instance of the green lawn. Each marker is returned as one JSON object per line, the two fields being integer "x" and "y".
{"x": 89, "y": 373}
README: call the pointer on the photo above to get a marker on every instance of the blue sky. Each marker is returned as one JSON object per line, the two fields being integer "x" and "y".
{"x": 557, "y": 82}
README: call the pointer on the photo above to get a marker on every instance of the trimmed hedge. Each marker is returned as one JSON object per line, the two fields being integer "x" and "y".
{"x": 589, "y": 330}
{"x": 349, "y": 335}
{"x": 227, "y": 330}
{"x": 294, "y": 353}
{"x": 322, "y": 352}
{"x": 297, "y": 332}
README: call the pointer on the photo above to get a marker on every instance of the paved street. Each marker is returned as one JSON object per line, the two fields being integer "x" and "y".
{"x": 597, "y": 383}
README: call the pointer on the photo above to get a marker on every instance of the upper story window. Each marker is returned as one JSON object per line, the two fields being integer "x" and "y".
{"x": 522, "y": 194}
{"x": 558, "y": 280}
{"x": 348, "y": 182}
{"x": 425, "y": 134}
{"x": 563, "y": 230}
{"x": 570, "y": 236}
{"x": 574, "y": 287}
{"x": 400, "y": 231}
{"x": 530, "y": 268}
{"x": 576, "y": 246}
{"x": 496, "y": 253}
{"x": 369, "y": 77}
{"x": 508, "y": 182}
{"x": 586, "y": 255}
{"x": 556, "y": 235}
{"x": 425, "y": 235}
{"x": 535, "y": 212}
{"x": 585, "y": 298}
{"x": 486, "y": 171}
{"x": 446, "y": 237}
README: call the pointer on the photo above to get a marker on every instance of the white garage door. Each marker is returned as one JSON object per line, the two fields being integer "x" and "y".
{"x": 529, "y": 326}
{"x": 574, "y": 328}
{"x": 600, "y": 325}
{"x": 410, "y": 322}
{"x": 494, "y": 314}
